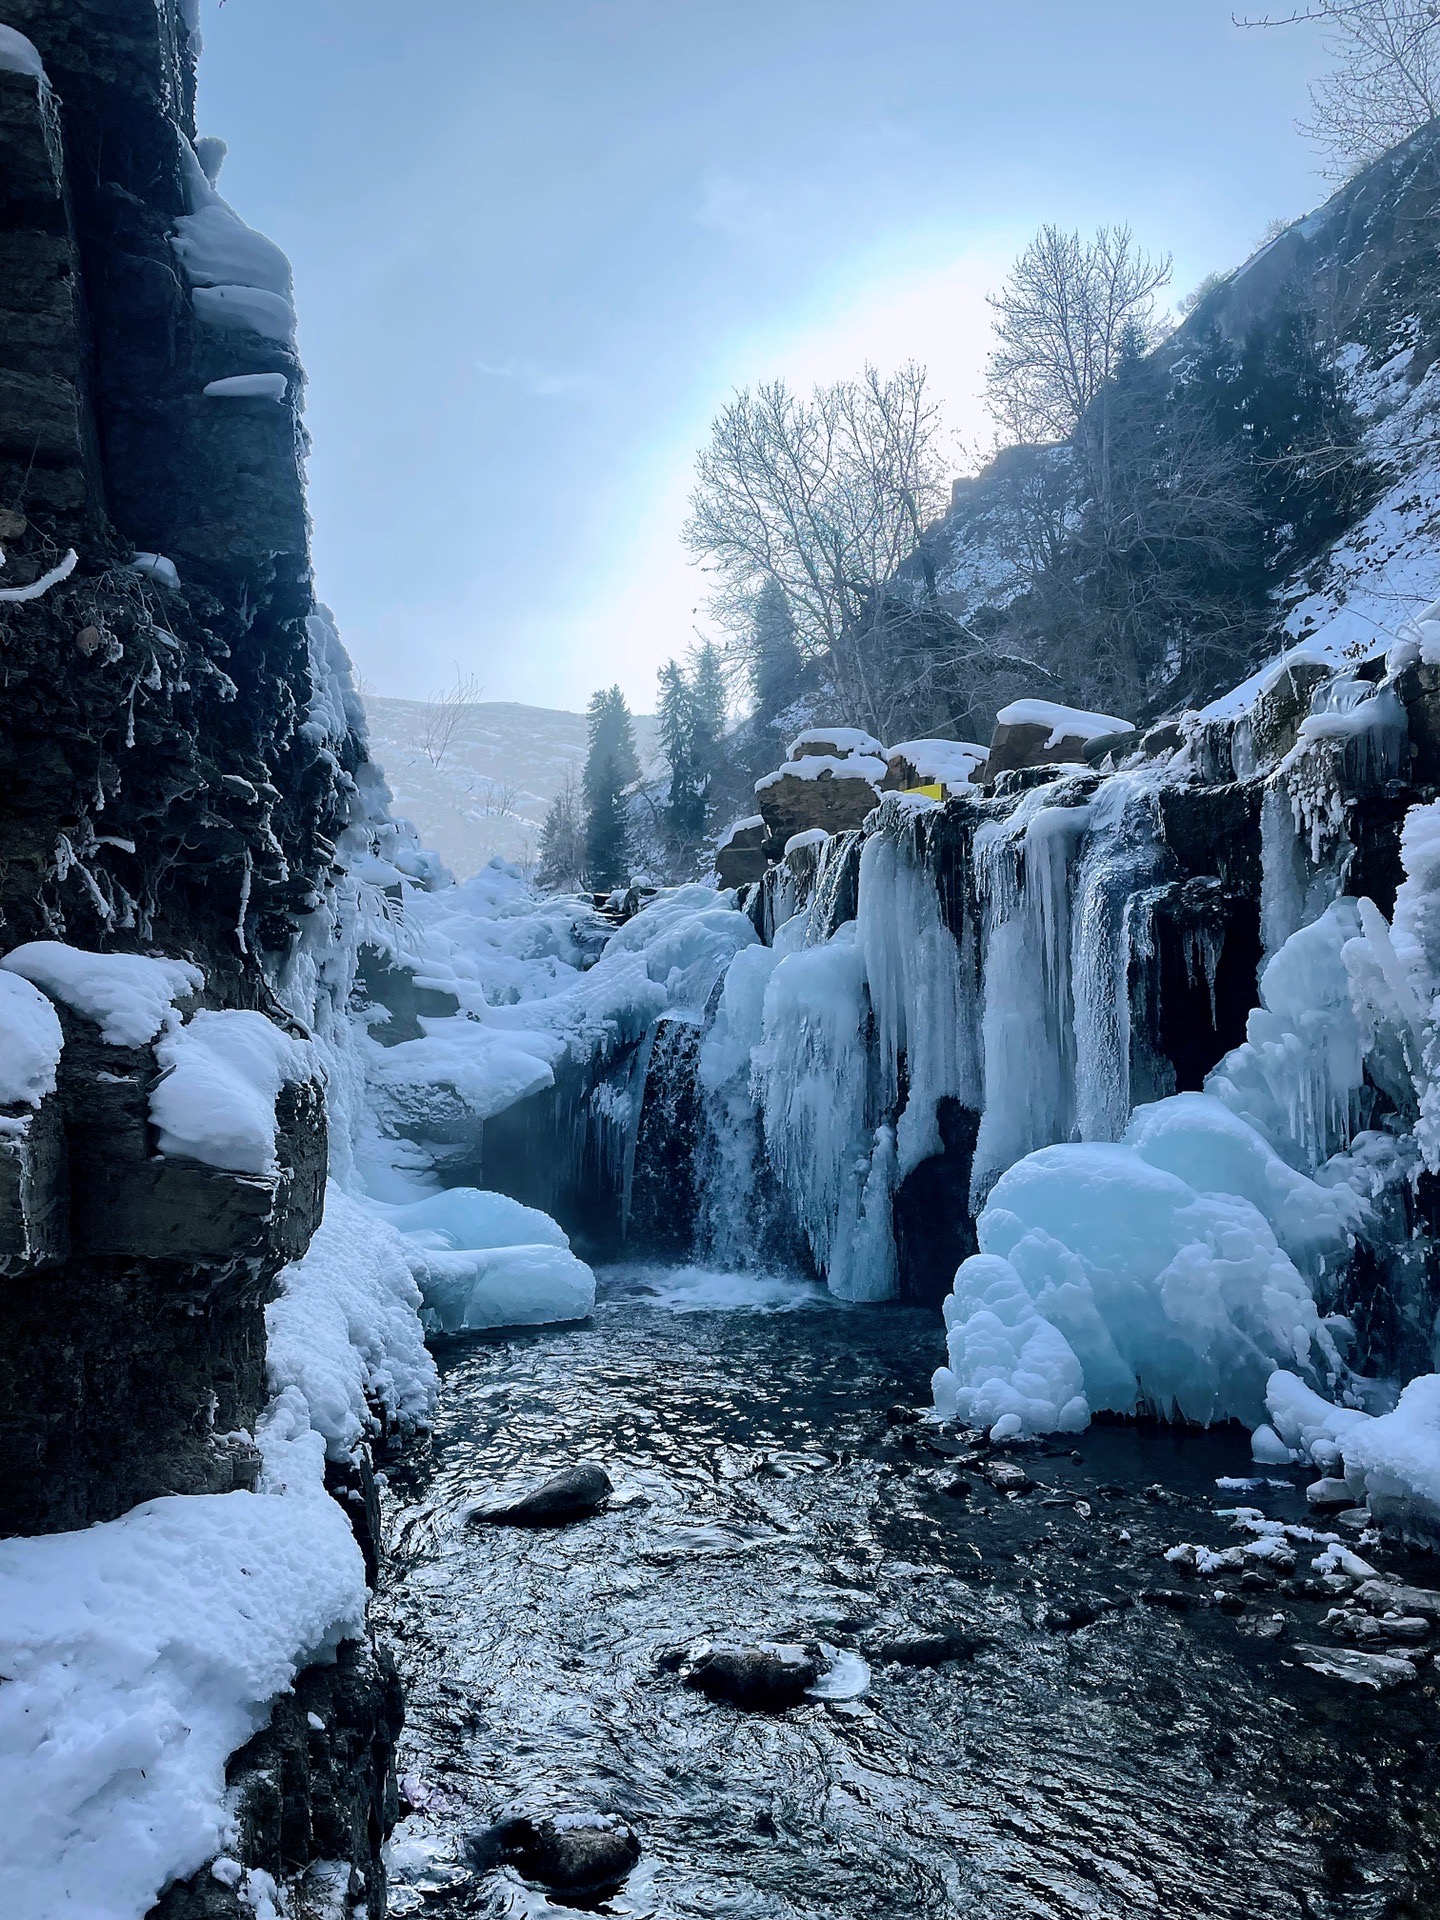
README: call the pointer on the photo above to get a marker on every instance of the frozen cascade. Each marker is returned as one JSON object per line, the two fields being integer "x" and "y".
{"x": 923, "y": 989}
{"x": 813, "y": 1073}
{"x": 1122, "y": 857}
{"x": 1299, "y": 1078}
{"x": 1023, "y": 873}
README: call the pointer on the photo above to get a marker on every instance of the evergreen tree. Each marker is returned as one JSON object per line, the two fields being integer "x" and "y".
{"x": 775, "y": 657}
{"x": 610, "y": 767}
{"x": 707, "y": 700}
{"x": 685, "y": 813}
{"x": 562, "y": 840}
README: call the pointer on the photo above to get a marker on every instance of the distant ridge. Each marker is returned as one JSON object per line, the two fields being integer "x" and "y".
{"x": 501, "y": 768}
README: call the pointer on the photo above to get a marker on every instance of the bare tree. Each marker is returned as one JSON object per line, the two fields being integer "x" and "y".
{"x": 1068, "y": 312}
{"x": 443, "y": 713}
{"x": 1386, "y": 79}
{"x": 826, "y": 497}
{"x": 493, "y": 798}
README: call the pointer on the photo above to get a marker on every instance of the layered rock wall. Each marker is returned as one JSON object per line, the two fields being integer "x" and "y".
{"x": 172, "y": 783}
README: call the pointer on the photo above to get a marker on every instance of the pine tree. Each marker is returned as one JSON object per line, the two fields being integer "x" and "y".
{"x": 610, "y": 767}
{"x": 562, "y": 840}
{"x": 707, "y": 699}
{"x": 775, "y": 657}
{"x": 685, "y": 812}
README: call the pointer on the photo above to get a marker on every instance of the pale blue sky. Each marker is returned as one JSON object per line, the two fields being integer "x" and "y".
{"x": 537, "y": 242}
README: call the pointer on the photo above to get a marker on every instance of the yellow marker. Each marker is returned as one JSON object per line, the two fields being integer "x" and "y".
{"x": 932, "y": 791}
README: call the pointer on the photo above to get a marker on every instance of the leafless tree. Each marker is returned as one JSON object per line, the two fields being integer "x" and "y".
{"x": 443, "y": 713}
{"x": 1386, "y": 79}
{"x": 826, "y": 496}
{"x": 1065, "y": 316}
{"x": 494, "y": 799}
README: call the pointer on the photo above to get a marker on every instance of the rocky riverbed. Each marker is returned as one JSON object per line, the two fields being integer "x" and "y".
{"x": 1024, "y": 1707}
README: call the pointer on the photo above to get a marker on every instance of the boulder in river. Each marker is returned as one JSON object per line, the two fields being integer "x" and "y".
{"x": 928, "y": 1649}
{"x": 570, "y": 1853}
{"x": 572, "y": 1494}
{"x": 766, "y": 1678}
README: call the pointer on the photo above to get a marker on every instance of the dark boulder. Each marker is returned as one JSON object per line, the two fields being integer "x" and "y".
{"x": 572, "y": 1494}
{"x": 585, "y": 1853}
{"x": 927, "y": 1649}
{"x": 766, "y": 1678}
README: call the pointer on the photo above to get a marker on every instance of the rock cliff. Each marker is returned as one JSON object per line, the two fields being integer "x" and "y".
{"x": 178, "y": 755}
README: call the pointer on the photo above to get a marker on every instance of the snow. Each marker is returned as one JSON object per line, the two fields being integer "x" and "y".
{"x": 471, "y": 1217}
{"x": 138, "y": 1655}
{"x": 1391, "y": 1460}
{"x": 268, "y": 314}
{"x": 19, "y": 55}
{"x": 488, "y": 1071}
{"x": 345, "y": 1330}
{"x": 749, "y": 824}
{"x": 505, "y": 1287}
{"x": 1065, "y": 723}
{"x": 129, "y": 996}
{"x": 155, "y": 566}
{"x": 336, "y": 708}
{"x": 30, "y": 1043}
{"x": 846, "y": 741}
{"x": 223, "y": 1072}
{"x": 12, "y": 596}
{"x": 248, "y": 386}
{"x": 808, "y": 837}
{"x": 1240, "y": 699}
{"x": 950, "y": 762}
{"x": 856, "y": 766}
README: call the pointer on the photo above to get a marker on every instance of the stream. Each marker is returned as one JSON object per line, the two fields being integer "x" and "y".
{"x": 1113, "y": 1745}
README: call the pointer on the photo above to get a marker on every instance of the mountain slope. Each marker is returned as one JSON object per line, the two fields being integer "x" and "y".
{"x": 485, "y": 790}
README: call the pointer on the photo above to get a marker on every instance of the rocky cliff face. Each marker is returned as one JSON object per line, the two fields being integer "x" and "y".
{"x": 176, "y": 762}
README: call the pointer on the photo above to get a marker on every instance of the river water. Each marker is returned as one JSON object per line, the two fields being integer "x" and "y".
{"x": 1166, "y": 1758}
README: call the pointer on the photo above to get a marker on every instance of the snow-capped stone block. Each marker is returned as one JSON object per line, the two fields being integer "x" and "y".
{"x": 740, "y": 852}
{"x": 1040, "y": 733}
{"x": 819, "y": 790}
{"x": 835, "y": 743}
{"x": 951, "y": 764}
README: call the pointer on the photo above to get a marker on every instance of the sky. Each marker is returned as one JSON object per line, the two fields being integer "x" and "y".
{"x": 538, "y": 243}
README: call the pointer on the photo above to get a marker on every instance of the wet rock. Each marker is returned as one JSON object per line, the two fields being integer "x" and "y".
{"x": 1068, "y": 1618}
{"x": 1380, "y": 1671}
{"x": 1170, "y": 1597}
{"x": 766, "y": 1678}
{"x": 959, "y": 1488}
{"x": 577, "y": 1853}
{"x": 899, "y": 1416}
{"x": 1389, "y": 1596}
{"x": 572, "y": 1494}
{"x": 1229, "y": 1602}
{"x": 927, "y": 1649}
{"x": 1007, "y": 1477}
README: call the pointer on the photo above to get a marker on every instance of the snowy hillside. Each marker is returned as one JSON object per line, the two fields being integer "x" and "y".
{"x": 485, "y": 790}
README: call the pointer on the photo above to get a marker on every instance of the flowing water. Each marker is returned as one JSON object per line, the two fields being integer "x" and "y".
{"x": 1164, "y": 1758}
